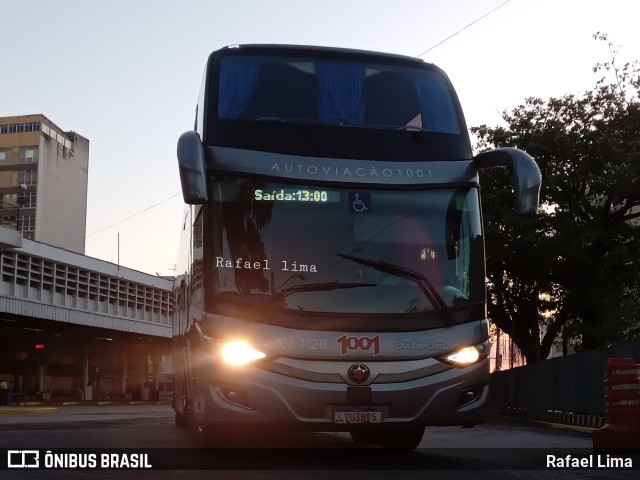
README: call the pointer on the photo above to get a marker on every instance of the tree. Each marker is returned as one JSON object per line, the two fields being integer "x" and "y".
{"x": 575, "y": 268}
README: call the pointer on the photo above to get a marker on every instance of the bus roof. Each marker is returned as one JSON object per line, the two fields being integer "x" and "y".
{"x": 321, "y": 51}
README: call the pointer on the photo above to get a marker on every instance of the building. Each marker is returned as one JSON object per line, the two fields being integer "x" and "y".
{"x": 43, "y": 181}
{"x": 75, "y": 326}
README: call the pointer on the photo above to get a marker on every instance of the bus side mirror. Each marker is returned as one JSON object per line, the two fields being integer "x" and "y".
{"x": 192, "y": 168}
{"x": 526, "y": 175}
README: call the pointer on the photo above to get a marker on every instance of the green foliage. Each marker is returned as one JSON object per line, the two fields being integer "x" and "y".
{"x": 573, "y": 269}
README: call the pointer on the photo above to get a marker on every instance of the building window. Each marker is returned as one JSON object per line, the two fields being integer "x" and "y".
{"x": 3, "y": 156}
{"x": 29, "y": 154}
{"x": 20, "y": 127}
{"x": 28, "y": 177}
{"x": 27, "y": 223}
{"x": 27, "y": 199}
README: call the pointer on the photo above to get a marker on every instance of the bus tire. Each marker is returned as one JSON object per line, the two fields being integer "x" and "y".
{"x": 181, "y": 420}
{"x": 401, "y": 438}
{"x": 362, "y": 437}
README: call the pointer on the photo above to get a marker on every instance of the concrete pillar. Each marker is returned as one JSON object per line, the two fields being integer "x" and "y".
{"x": 137, "y": 372}
{"x": 87, "y": 388}
{"x": 155, "y": 359}
{"x": 42, "y": 376}
{"x": 85, "y": 369}
{"x": 123, "y": 355}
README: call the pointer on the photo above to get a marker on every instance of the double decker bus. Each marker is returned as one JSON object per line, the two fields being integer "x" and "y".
{"x": 333, "y": 269}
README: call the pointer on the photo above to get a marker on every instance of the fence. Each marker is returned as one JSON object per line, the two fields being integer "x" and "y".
{"x": 561, "y": 386}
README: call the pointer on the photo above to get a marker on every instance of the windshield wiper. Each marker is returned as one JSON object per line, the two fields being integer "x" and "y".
{"x": 322, "y": 287}
{"x": 425, "y": 285}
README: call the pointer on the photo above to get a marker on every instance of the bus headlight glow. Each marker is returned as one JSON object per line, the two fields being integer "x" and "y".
{"x": 239, "y": 352}
{"x": 467, "y": 355}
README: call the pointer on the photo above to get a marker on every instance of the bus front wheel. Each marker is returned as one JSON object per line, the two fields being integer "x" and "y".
{"x": 400, "y": 438}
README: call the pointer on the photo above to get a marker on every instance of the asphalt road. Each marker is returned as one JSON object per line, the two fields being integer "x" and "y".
{"x": 498, "y": 449}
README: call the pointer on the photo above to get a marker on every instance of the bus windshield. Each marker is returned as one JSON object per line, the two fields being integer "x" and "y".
{"x": 335, "y": 92}
{"x": 345, "y": 250}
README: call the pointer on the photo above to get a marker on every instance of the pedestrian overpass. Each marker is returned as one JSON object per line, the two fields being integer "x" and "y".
{"x": 76, "y": 327}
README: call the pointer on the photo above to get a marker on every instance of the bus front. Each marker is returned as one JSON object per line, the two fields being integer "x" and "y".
{"x": 337, "y": 274}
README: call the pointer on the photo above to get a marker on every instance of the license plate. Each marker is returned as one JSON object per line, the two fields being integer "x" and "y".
{"x": 357, "y": 415}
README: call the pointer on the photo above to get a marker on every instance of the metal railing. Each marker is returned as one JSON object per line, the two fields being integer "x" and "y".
{"x": 9, "y": 214}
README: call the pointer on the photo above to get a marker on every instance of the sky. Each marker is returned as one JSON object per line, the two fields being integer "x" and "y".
{"x": 126, "y": 74}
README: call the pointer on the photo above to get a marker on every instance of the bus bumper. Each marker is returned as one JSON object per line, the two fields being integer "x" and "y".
{"x": 456, "y": 396}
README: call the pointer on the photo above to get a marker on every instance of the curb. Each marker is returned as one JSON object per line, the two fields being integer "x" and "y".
{"x": 541, "y": 423}
{"x": 90, "y": 403}
{"x": 48, "y": 407}
{"x": 25, "y": 410}
{"x": 555, "y": 417}
{"x": 593, "y": 422}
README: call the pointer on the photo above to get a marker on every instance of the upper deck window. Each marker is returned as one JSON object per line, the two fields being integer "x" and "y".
{"x": 336, "y": 92}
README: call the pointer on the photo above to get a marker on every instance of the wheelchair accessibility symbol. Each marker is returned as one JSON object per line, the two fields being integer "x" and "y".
{"x": 360, "y": 202}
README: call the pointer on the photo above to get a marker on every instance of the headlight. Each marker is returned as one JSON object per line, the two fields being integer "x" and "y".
{"x": 239, "y": 352}
{"x": 468, "y": 355}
